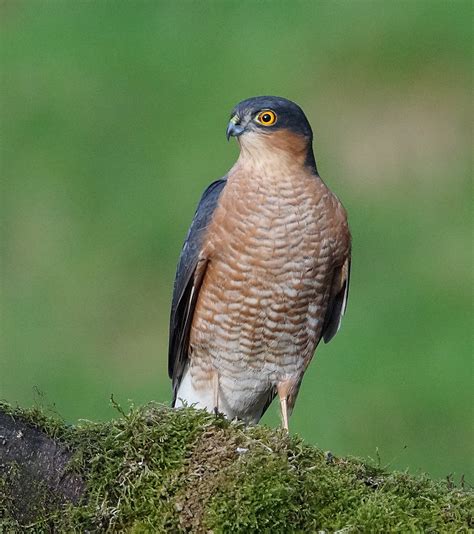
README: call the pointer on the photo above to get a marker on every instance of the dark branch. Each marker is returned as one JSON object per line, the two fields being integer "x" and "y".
{"x": 33, "y": 469}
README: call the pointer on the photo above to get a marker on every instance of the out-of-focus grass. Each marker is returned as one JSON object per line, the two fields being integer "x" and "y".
{"x": 112, "y": 123}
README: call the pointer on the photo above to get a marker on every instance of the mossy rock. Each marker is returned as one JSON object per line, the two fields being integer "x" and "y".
{"x": 155, "y": 469}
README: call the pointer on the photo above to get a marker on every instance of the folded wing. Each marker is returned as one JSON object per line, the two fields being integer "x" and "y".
{"x": 189, "y": 276}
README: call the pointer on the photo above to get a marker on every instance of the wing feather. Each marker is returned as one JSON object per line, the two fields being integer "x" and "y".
{"x": 337, "y": 301}
{"x": 189, "y": 276}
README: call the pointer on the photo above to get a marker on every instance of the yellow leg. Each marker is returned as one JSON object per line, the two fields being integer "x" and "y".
{"x": 282, "y": 389}
{"x": 284, "y": 412}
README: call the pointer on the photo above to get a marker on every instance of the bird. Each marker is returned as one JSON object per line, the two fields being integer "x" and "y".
{"x": 263, "y": 274}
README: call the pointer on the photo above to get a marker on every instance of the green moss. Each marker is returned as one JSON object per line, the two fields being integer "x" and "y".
{"x": 161, "y": 470}
{"x": 47, "y": 420}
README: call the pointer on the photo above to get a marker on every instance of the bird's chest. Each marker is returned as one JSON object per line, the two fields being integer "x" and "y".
{"x": 269, "y": 238}
{"x": 264, "y": 286}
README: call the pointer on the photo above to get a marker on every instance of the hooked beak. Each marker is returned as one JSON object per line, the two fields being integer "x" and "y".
{"x": 234, "y": 129}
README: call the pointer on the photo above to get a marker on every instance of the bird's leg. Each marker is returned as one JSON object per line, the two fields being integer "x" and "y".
{"x": 215, "y": 390}
{"x": 282, "y": 389}
{"x": 284, "y": 412}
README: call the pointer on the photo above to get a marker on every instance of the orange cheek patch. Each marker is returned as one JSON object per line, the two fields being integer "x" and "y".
{"x": 288, "y": 141}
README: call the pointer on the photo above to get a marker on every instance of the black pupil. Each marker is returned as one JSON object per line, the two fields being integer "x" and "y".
{"x": 267, "y": 117}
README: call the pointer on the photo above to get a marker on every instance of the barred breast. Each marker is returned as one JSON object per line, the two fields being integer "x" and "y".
{"x": 263, "y": 300}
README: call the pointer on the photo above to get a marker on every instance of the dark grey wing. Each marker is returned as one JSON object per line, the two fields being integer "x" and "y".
{"x": 337, "y": 302}
{"x": 189, "y": 275}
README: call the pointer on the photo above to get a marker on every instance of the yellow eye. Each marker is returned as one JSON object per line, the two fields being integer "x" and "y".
{"x": 267, "y": 117}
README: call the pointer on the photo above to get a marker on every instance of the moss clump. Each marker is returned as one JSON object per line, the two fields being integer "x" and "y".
{"x": 160, "y": 470}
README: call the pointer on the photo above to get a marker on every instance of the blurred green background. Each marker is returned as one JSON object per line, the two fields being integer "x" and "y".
{"x": 112, "y": 123}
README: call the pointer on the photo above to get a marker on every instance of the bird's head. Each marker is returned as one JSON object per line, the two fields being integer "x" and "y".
{"x": 271, "y": 125}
